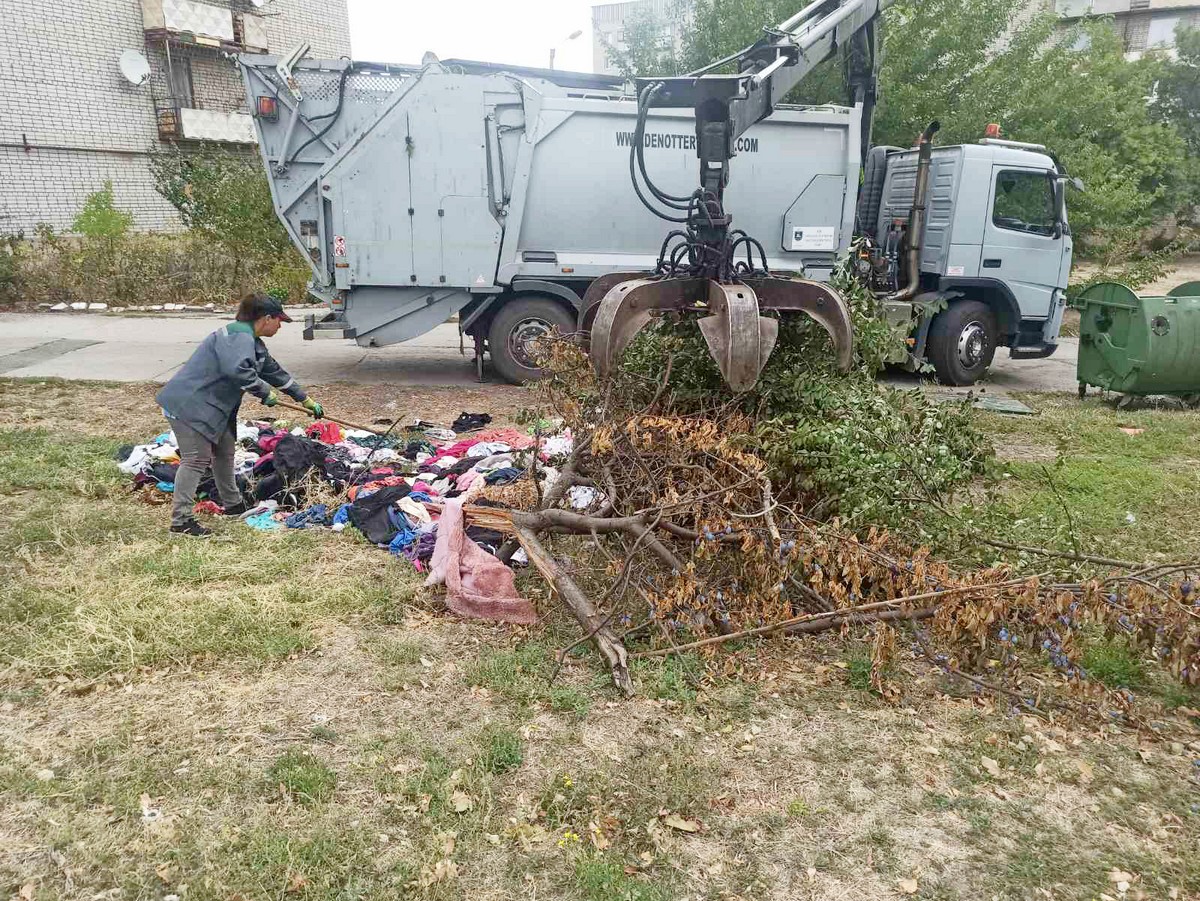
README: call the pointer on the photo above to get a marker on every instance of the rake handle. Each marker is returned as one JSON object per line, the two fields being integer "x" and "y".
{"x": 349, "y": 425}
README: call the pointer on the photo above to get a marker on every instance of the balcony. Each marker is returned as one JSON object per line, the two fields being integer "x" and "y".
{"x": 199, "y": 24}
{"x": 176, "y": 123}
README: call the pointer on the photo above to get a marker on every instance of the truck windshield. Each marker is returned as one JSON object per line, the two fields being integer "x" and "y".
{"x": 1024, "y": 202}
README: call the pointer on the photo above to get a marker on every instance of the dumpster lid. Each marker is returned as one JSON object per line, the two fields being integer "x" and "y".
{"x": 1187, "y": 289}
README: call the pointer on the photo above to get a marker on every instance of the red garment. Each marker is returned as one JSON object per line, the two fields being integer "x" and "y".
{"x": 267, "y": 442}
{"x": 514, "y": 438}
{"x": 326, "y": 432}
{"x": 458, "y": 449}
{"x": 477, "y": 584}
{"x": 211, "y": 508}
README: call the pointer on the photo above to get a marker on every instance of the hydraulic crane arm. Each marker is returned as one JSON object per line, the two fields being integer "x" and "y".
{"x": 699, "y": 267}
{"x": 727, "y": 105}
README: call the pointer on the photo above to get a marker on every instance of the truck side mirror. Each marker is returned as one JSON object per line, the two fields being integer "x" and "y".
{"x": 1060, "y": 208}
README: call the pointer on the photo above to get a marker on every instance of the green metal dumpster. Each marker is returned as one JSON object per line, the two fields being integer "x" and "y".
{"x": 1139, "y": 345}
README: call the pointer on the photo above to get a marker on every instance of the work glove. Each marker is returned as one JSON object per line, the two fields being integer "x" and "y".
{"x": 271, "y": 399}
{"x": 314, "y": 408}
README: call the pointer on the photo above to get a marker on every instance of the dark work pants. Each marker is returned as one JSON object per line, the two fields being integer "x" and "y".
{"x": 196, "y": 454}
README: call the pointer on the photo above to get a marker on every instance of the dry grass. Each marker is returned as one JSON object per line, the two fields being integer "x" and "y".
{"x": 289, "y": 716}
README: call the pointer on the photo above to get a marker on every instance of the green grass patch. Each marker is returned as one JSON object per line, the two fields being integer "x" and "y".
{"x": 36, "y": 459}
{"x": 601, "y": 877}
{"x": 1117, "y": 494}
{"x": 858, "y": 669}
{"x": 1114, "y": 663}
{"x": 303, "y": 776}
{"x": 501, "y": 750}
{"x": 672, "y": 678}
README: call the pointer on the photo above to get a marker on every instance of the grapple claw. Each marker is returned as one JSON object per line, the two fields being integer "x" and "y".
{"x": 739, "y": 339}
{"x": 816, "y": 299}
{"x": 627, "y": 308}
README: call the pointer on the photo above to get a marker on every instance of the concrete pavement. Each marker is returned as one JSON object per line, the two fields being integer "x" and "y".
{"x": 150, "y": 349}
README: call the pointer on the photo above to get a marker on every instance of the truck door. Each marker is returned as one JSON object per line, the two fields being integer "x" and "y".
{"x": 1019, "y": 243}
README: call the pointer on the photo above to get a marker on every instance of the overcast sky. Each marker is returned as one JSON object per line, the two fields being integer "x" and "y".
{"x": 519, "y": 32}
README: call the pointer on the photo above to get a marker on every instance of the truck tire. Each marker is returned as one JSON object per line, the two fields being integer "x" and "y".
{"x": 519, "y": 321}
{"x": 962, "y": 342}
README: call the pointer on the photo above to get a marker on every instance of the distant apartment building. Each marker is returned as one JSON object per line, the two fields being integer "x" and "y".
{"x": 88, "y": 87}
{"x": 1143, "y": 24}
{"x": 609, "y": 21}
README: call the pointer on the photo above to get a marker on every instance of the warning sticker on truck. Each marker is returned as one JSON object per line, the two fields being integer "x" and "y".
{"x": 813, "y": 237}
{"x": 339, "y": 246}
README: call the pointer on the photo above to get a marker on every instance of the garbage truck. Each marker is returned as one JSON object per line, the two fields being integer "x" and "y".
{"x": 527, "y": 200}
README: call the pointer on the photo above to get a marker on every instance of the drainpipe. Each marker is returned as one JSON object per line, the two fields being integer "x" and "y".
{"x": 916, "y": 216}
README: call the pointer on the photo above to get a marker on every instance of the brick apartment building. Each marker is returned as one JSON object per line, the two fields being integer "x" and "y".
{"x": 1142, "y": 24}
{"x": 69, "y": 118}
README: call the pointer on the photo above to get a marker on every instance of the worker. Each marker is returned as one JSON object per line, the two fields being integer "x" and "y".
{"x": 201, "y": 403}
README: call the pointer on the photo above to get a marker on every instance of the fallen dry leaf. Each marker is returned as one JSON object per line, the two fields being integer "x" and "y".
{"x": 674, "y": 821}
{"x": 296, "y": 883}
{"x": 908, "y": 886}
{"x": 1086, "y": 772}
{"x": 461, "y": 802}
{"x": 26, "y": 892}
{"x": 992, "y": 766}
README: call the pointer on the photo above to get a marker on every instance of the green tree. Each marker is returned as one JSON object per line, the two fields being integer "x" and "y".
{"x": 223, "y": 195}
{"x": 100, "y": 219}
{"x": 1177, "y": 101}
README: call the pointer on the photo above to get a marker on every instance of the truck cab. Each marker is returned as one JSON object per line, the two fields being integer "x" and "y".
{"x": 995, "y": 252}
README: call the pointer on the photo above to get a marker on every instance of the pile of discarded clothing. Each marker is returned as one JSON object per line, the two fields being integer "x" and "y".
{"x": 392, "y": 488}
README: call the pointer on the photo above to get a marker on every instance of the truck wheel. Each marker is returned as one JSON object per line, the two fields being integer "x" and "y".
{"x": 520, "y": 322}
{"x": 962, "y": 342}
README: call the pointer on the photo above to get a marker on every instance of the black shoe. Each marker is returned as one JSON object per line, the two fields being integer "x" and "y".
{"x": 235, "y": 509}
{"x": 191, "y": 527}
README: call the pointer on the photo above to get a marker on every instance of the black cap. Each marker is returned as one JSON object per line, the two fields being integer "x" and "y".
{"x": 266, "y": 305}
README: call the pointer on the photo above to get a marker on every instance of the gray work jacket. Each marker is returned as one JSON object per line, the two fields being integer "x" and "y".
{"x": 206, "y": 393}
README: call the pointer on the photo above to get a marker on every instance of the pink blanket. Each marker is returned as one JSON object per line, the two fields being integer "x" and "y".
{"x": 477, "y": 584}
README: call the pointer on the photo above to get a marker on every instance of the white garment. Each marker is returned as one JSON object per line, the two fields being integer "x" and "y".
{"x": 416, "y": 512}
{"x": 137, "y": 460}
{"x": 496, "y": 461}
{"x": 162, "y": 451}
{"x": 558, "y": 445}
{"x": 488, "y": 448}
{"x": 244, "y": 460}
{"x": 581, "y": 497}
{"x": 247, "y": 431}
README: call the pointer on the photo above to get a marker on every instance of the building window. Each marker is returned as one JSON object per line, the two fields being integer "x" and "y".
{"x": 1024, "y": 202}
{"x": 1162, "y": 31}
{"x": 183, "y": 92}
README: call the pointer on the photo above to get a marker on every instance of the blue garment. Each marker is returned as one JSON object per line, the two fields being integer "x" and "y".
{"x": 313, "y": 516}
{"x": 420, "y": 496}
{"x": 264, "y": 522}
{"x": 207, "y": 391}
{"x": 168, "y": 487}
{"x": 406, "y": 536}
{"x": 503, "y": 476}
{"x": 342, "y": 515}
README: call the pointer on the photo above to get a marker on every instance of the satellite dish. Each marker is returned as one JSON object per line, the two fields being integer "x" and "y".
{"x": 429, "y": 59}
{"x": 134, "y": 67}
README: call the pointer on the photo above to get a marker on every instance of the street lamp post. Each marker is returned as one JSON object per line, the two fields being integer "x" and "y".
{"x": 572, "y": 36}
